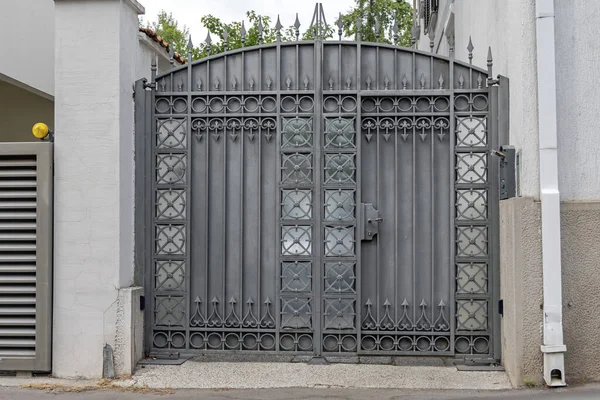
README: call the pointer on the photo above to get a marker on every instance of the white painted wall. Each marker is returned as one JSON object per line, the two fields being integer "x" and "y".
{"x": 577, "y": 64}
{"x": 93, "y": 253}
{"x": 509, "y": 27}
{"x": 27, "y": 53}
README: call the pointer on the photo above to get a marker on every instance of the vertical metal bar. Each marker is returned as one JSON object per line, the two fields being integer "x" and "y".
{"x": 396, "y": 199}
{"x": 377, "y": 87}
{"x": 207, "y": 219}
{"x": 339, "y": 81}
{"x": 494, "y": 240}
{"x": 452, "y": 232}
{"x": 433, "y": 230}
{"x": 359, "y": 216}
{"x": 297, "y": 66}
{"x": 225, "y": 210}
{"x": 242, "y": 194}
{"x": 414, "y": 224}
{"x": 188, "y": 208}
{"x": 151, "y": 212}
{"x": 378, "y": 205}
{"x": 395, "y": 75}
{"x": 278, "y": 155}
{"x": 259, "y": 224}
{"x": 318, "y": 230}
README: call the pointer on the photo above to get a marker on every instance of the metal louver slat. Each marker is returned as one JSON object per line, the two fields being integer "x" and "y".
{"x": 25, "y": 255}
{"x": 14, "y": 237}
{"x": 12, "y": 173}
{"x": 16, "y": 257}
{"x": 16, "y": 204}
{"x": 17, "y": 183}
{"x": 17, "y": 247}
{"x": 14, "y": 321}
{"x": 17, "y": 194}
{"x": 13, "y": 226}
{"x": 17, "y": 332}
{"x": 17, "y": 215}
{"x": 17, "y": 311}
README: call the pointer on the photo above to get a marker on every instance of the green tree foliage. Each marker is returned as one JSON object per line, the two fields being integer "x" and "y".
{"x": 168, "y": 28}
{"x": 230, "y": 35}
{"x": 384, "y": 11}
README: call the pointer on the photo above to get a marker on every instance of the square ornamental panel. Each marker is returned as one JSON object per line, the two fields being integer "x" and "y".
{"x": 296, "y": 240}
{"x": 296, "y": 204}
{"x": 471, "y": 132}
{"x": 340, "y": 133}
{"x": 296, "y": 276}
{"x": 340, "y": 205}
{"x": 297, "y": 132}
{"x": 339, "y": 241}
{"x": 471, "y": 204}
{"x": 340, "y": 169}
{"x": 296, "y": 169}
{"x": 340, "y": 277}
{"x": 171, "y": 133}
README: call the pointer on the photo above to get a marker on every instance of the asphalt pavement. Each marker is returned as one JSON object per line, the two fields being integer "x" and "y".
{"x": 578, "y": 393}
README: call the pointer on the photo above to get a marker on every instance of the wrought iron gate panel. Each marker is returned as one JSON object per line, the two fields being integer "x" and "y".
{"x": 322, "y": 197}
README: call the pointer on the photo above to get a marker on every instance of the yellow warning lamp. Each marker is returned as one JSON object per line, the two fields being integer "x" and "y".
{"x": 40, "y": 130}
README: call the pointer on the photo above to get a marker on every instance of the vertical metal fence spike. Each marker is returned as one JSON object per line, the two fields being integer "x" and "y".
{"x": 441, "y": 81}
{"x": 225, "y": 39}
{"x": 278, "y": 27}
{"x": 260, "y": 30}
{"x": 404, "y": 82}
{"x": 490, "y": 64}
{"x": 340, "y": 24}
{"x": 377, "y": 28}
{"x": 470, "y": 49}
{"x": 297, "y": 27}
{"x": 190, "y": 49}
{"x": 243, "y": 34}
{"x": 208, "y": 42}
{"x": 395, "y": 31}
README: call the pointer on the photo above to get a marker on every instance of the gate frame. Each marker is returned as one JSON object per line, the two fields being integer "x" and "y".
{"x": 146, "y": 131}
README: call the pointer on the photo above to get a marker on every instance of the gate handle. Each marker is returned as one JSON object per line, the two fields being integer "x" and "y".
{"x": 378, "y": 220}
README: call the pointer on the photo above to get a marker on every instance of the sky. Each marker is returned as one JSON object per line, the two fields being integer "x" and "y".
{"x": 188, "y": 12}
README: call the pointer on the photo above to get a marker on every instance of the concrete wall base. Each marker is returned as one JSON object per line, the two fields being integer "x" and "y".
{"x": 129, "y": 340}
{"x": 522, "y": 289}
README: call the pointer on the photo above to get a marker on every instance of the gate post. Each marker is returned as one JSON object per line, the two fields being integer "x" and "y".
{"x": 96, "y": 50}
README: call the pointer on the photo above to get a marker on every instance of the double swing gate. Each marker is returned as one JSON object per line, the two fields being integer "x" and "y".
{"x": 319, "y": 198}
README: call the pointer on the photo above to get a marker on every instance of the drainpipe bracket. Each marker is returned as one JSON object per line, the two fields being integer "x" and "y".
{"x": 557, "y": 348}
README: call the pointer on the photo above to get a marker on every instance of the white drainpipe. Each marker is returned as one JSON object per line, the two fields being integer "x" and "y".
{"x": 553, "y": 348}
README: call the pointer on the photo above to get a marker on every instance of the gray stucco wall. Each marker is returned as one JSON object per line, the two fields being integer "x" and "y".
{"x": 19, "y": 110}
{"x": 521, "y": 289}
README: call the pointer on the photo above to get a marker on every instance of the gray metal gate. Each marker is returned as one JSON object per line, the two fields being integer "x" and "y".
{"x": 319, "y": 197}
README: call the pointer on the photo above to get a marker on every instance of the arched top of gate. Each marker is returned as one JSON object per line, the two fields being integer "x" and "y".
{"x": 347, "y": 65}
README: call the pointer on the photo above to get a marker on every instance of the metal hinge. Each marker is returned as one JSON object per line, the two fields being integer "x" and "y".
{"x": 501, "y": 307}
{"x": 142, "y": 303}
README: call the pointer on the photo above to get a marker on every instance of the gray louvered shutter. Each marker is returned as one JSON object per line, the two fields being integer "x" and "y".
{"x": 25, "y": 255}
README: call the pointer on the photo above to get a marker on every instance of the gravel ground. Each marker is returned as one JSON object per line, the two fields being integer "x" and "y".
{"x": 252, "y": 375}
